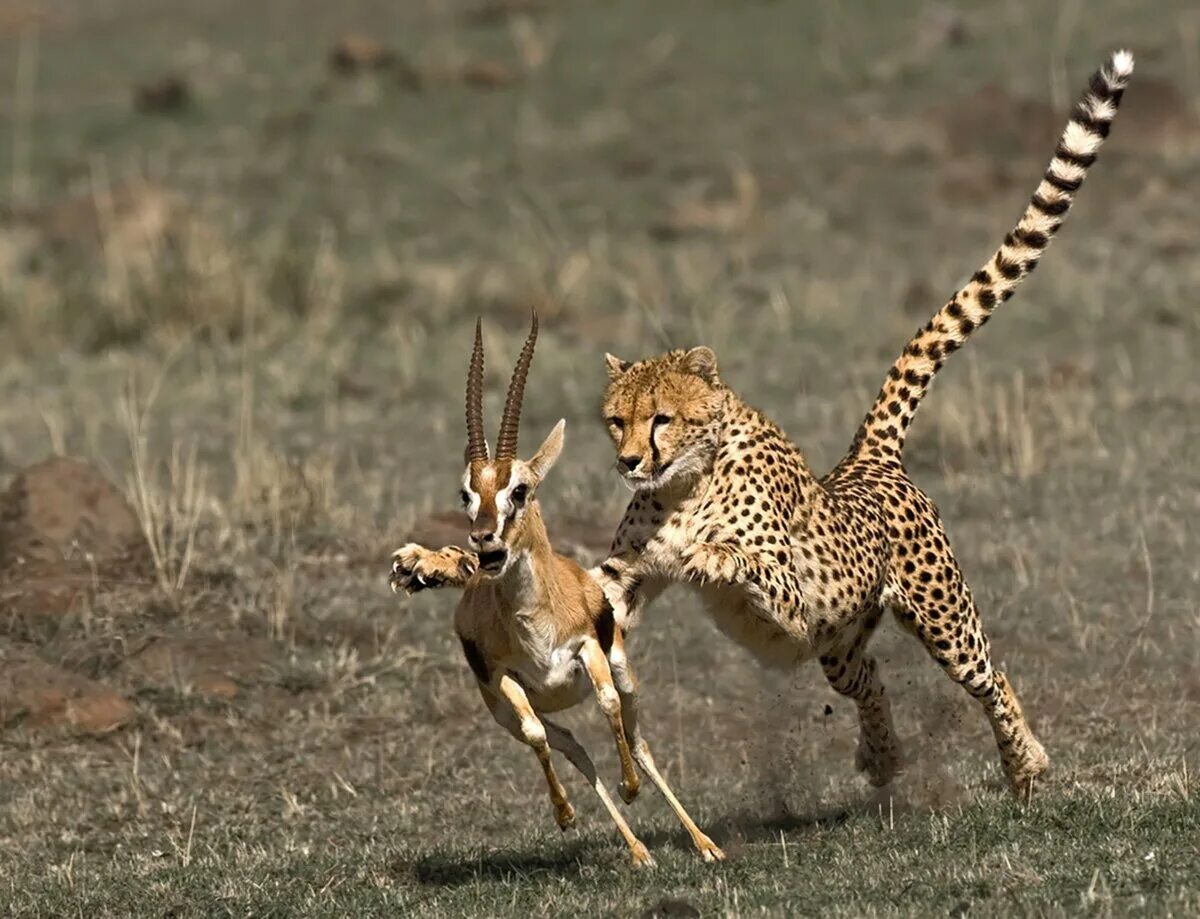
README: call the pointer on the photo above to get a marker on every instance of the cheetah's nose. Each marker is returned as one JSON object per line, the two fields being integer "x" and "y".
{"x": 629, "y": 463}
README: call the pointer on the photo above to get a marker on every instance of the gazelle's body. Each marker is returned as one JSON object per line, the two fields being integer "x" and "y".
{"x": 533, "y": 620}
{"x": 535, "y": 628}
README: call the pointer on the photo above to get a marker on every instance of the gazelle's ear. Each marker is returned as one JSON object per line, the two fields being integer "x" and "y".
{"x": 616, "y": 366}
{"x": 547, "y": 454}
{"x": 702, "y": 362}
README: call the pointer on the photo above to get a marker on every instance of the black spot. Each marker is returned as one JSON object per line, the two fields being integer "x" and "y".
{"x": 475, "y": 658}
{"x": 1083, "y": 117}
{"x": 966, "y": 326}
{"x": 1065, "y": 154}
{"x": 1011, "y": 270}
{"x": 1032, "y": 238}
{"x": 981, "y": 277}
{"x": 987, "y": 298}
{"x": 1099, "y": 86}
{"x": 1066, "y": 185}
{"x": 1051, "y": 208}
{"x": 605, "y": 627}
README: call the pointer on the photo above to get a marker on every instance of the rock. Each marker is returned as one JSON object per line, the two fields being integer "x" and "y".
{"x": 164, "y": 96}
{"x": 355, "y": 53}
{"x": 36, "y": 694}
{"x": 487, "y": 73}
{"x": 210, "y": 665}
{"x": 64, "y": 510}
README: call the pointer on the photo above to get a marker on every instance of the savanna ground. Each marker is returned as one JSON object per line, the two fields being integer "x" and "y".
{"x": 248, "y": 303}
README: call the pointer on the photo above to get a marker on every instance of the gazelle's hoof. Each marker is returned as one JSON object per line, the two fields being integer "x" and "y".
{"x": 565, "y": 815}
{"x": 709, "y": 850}
{"x": 629, "y": 791}
{"x": 641, "y": 856}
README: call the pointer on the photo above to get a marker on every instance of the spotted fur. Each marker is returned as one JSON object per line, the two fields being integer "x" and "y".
{"x": 794, "y": 566}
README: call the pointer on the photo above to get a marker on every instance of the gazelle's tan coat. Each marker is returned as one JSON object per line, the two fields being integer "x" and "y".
{"x": 535, "y": 627}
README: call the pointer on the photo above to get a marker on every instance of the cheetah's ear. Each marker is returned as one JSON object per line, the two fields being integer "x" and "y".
{"x": 616, "y": 366}
{"x": 702, "y": 362}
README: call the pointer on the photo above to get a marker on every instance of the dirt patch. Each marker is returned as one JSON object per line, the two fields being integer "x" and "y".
{"x": 36, "y": 694}
{"x": 166, "y": 95}
{"x": 990, "y": 118}
{"x": 63, "y": 510}
{"x": 1155, "y": 111}
{"x": 210, "y": 665}
{"x": 356, "y": 53}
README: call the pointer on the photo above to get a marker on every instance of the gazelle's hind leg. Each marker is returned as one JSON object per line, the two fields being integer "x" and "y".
{"x": 626, "y": 684}
{"x": 853, "y": 673}
{"x": 519, "y": 719}
{"x": 564, "y": 742}
{"x": 942, "y": 613}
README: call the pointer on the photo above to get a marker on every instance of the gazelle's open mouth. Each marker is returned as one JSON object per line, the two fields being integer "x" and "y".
{"x": 493, "y": 560}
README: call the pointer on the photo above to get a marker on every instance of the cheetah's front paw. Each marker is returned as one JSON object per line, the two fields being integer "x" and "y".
{"x": 415, "y": 568}
{"x": 711, "y": 562}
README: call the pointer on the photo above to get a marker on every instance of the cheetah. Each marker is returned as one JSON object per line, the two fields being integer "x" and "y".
{"x": 794, "y": 566}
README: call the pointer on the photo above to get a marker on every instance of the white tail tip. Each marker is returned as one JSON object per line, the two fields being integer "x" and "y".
{"x": 1121, "y": 63}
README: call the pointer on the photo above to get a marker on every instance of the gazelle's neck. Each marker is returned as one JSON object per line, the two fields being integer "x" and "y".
{"x": 525, "y": 584}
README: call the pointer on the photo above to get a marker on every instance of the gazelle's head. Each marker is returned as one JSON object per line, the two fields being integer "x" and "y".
{"x": 499, "y": 493}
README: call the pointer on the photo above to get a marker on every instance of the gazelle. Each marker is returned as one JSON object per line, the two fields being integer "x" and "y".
{"x": 535, "y": 628}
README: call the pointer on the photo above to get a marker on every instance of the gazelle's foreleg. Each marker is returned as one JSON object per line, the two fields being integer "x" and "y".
{"x": 565, "y": 743}
{"x": 520, "y": 720}
{"x": 609, "y": 700}
{"x": 415, "y": 568}
{"x": 626, "y": 684}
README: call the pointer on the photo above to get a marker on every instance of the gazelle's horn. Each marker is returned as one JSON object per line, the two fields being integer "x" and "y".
{"x": 510, "y": 421}
{"x": 477, "y": 450}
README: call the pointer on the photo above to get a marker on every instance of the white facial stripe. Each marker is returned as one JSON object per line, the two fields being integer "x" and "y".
{"x": 502, "y": 507}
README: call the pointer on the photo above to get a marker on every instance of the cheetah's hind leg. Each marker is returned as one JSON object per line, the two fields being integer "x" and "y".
{"x": 853, "y": 673}
{"x": 946, "y": 620}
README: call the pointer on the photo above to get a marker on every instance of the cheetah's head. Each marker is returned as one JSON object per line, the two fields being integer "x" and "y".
{"x": 664, "y": 415}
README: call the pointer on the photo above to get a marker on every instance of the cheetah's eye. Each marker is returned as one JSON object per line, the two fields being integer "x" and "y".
{"x": 661, "y": 419}
{"x": 519, "y": 494}
{"x": 616, "y": 423}
{"x": 465, "y": 497}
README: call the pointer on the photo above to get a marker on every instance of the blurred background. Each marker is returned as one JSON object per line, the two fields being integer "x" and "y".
{"x": 242, "y": 246}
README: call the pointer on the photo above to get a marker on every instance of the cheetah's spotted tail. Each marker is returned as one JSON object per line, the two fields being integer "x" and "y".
{"x": 883, "y": 430}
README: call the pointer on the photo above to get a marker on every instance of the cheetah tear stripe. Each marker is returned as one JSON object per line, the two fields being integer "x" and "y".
{"x": 883, "y": 431}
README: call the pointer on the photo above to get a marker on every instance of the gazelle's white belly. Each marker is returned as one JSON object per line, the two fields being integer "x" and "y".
{"x": 554, "y": 679}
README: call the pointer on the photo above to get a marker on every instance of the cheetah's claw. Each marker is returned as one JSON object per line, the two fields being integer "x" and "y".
{"x": 712, "y": 562}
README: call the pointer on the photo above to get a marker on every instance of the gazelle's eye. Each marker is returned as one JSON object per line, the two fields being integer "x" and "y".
{"x": 661, "y": 419}
{"x": 616, "y": 423}
{"x": 519, "y": 494}
{"x": 465, "y": 497}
